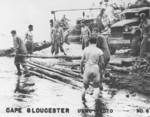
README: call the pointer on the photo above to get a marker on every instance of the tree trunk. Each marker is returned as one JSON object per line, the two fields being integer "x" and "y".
{"x": 46, "y": 77}
{"x": 119, "y": 69}
{"x": 51, "y": 79}
{"x": 68, "y": 72}
{"x": 56, "y": 56}
{"x": 74, "y": 64}
{"x": 59, "y": 77}
{"x": 49, "y": 69}
{"x": 125, "y": 69}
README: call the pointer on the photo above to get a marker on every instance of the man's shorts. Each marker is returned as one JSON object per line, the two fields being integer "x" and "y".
{"x": 92, "y": 74}
{"x": 29, "y": 47}
{"x": 20, "y": 60}
{"x": 106, "y": 59}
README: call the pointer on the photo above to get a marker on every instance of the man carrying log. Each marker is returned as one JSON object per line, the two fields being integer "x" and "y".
{"x": 57, "y": 39}
{"x": 93, "y": 64}
{"x": 102, "y": 44}
{"x": 85, "y": 35}
{"x": 19, "y": 49}
{"x": 29, "y": 40}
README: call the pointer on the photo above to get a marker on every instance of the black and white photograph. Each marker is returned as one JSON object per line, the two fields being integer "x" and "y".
{"x": 74, "y": 58}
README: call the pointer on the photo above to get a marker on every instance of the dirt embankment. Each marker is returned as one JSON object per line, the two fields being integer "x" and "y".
{"x": 135, "y": 76}
{"x": 133, "y": 83}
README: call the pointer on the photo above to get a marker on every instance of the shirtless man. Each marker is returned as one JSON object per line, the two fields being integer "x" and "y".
{"x": 102, "y": 44}
{"x": 85, "y": 35}
{"x": 93, "y": 64}
{"x": 29, "y": 40}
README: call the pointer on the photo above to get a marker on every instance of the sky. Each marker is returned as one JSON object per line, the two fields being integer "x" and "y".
{"x": 18, "y": 14}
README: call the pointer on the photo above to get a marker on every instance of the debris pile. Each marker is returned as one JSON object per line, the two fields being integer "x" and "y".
{"x": 131, "y": 73}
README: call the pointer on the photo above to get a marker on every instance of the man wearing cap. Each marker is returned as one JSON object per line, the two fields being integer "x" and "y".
{"x": 19, "y": 49}
{"x": 85, "y": 35}
{"x": 145, "y": 27}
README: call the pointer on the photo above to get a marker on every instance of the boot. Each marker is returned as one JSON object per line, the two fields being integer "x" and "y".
{"x": 18, "y": 69}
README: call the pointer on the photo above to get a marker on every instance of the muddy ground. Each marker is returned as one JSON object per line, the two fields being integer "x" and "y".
{"x": 34, "y": 92}
{"x": 134, "y": 81}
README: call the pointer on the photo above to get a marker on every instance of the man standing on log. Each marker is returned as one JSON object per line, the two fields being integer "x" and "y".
{"x": 29, "y": 40}
{"x": 145, "y": 26}
{"x": 57, "y": 39}
{"x": 93, "y": 64}
{"x": 102, "y": 44}
{"x": 19, "y": 49}
{"x": 85, "y": 35}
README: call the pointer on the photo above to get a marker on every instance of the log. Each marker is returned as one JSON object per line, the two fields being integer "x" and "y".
{"x": 68, "y": 71}
{"x": 41, "y": 45}
{"x": 73, "y": 73}
{"x": 37, "y": 47}
{"x": 56, "y": 56}
{"x": 127, "y": 62}
{"x": 49, "y": 69}
{"x": 76, "y": 71}
{"x": 74, "y": 64}
{"x": 79, "y": 78}
{"x": 45, "y": 77}
{"x": 51, "y": 79}
{"x": 122, "y": 61}
{"x": 59, "y": 77}
{"x": 56, "y": 77}
{"x": 118, "y": 69}
{"x": 125, "y": 69}
{"x": 57, "y": 72}
{"x": 115, "y": 61}
{"x": 5, "y": 52}
{"x": 132, "y": 61}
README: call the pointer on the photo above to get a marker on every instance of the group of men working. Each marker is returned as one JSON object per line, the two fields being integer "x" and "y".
{"x": 21, "y": 49}
{"x": 96, "y": 53}
{"x": 96, "y": 56}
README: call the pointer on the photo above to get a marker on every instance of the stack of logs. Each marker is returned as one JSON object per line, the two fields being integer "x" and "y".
{"x": 68, "y": 72}
{"x": 61, "y": 72}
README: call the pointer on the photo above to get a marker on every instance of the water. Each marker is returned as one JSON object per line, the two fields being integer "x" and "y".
{"x": 34, "y": 92}
{"x": 15, "y": 92}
